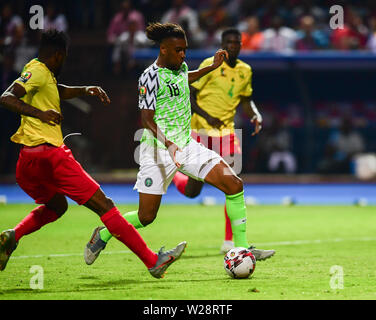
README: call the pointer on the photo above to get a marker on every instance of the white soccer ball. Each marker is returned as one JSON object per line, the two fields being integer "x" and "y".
{"x": 239, "y": 263}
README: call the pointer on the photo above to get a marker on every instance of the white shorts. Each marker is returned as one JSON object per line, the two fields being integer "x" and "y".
{"x": 157, "y": 167}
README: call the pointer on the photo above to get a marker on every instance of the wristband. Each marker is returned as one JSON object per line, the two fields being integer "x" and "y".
{"x": 257, "y": 115}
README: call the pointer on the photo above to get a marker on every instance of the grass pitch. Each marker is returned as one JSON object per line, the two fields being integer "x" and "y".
{"x": 309, "y": 241}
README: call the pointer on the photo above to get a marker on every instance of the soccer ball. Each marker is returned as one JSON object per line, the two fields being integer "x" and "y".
{"x": 239, "y": 263}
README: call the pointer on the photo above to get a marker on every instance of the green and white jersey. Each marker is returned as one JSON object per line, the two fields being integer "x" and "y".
{"x": 167, "y": 92}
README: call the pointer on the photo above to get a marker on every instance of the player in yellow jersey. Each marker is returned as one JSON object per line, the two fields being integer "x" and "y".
{"x": 215, "y": 98}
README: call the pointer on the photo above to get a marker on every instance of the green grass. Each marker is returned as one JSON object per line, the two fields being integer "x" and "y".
{"x": 308, "y": 240}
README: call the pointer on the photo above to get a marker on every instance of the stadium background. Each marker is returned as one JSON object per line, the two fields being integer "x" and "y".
{"x": 309, "y": 83}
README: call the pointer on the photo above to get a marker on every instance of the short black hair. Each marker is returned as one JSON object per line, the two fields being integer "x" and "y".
{"x": 53, "y": 41}
{"x": 228, "y": 31}
{"x": 157, "y": 32}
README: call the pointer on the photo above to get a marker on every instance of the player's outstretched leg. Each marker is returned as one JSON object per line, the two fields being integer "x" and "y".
{"x": 223, "y": 177}
{"x": 35, "y": 220}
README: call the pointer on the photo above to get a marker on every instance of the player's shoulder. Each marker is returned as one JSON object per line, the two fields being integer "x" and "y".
{"x": 36, "y": 65}
{"x": 243, "y": 65}
{"x": 150, "y": 70}
{"x": 34, "y": 69}
{"x": 149, "y": 75}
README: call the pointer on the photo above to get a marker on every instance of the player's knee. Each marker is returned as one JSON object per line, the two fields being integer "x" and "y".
{"x": 193, "y": 188}
{"x": 192, "y": 193}
{"x": 59, "y": 205}
{"x": 146, "y": 219}
{"x": 236, "y": 185}
{"x": 62, "y": 209}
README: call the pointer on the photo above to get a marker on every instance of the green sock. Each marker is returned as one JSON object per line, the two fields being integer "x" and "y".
{"x": 237, "y": 214}
{"x": 131, "y": 217}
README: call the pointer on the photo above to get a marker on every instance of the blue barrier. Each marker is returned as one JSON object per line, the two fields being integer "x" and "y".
{"x": 264, "y": 194}
{"x": 327, "y": 55}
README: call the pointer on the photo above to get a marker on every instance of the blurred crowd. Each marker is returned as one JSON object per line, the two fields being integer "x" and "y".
{"x": 273, "y": 25}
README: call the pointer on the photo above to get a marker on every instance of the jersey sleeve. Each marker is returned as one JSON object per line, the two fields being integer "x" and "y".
{"x": 247, "y": 91}
{"x": 200, "y": 83}
{"x": 32, "y": 78}
{"x": 148, "y": 86}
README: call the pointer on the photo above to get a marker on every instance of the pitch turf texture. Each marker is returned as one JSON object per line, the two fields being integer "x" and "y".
{"x": 309, "y": 241}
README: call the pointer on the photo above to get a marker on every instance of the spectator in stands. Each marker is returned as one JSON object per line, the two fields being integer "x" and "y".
{"x": 213, "y": 20}
{"x": 343, "y": 144}
{"x": 279, "y": 38}
{"x": 14, "y": 38}
{"x": 252, "y": 38}
{"x": 124, "y": 34}
{"x": 268, "y": 10}
{"x": 25, "y": 48}
{"x": 11, "y": 26}
{"x": 359, "y": 29}
{"x": 121, "y": 21}
{"x": 353, "y": 36}
{"x": 55, "y": 19}
{"x": 125, "y": 46}
{"x": 309, "y": 8}
{"x": 185, "y": 16}
{"x": 371, "y": 43}
{"x": 275, "y": 149}
{"x": 308, "y": 37}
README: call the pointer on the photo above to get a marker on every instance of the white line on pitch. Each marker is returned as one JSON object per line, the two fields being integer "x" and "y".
{"x": 278, "y": 243}
{"x": 58, "y": 255}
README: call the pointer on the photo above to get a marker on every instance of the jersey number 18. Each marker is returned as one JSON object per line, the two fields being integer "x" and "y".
{"x": 174, "y": 89}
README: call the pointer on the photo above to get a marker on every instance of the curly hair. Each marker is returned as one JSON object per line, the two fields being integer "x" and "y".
{"x": 157, "y": 31}
{"x": 52, "y": 41}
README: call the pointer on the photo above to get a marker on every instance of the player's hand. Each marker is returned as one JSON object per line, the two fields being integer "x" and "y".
{"x": 51, "y": 117}
{"x": 214, "y": 122}
{"x": 219, "y": 57}
{"x": 258, "y": 125}
{"x": 99, "y": 92}
{"x": 172, "y": 148}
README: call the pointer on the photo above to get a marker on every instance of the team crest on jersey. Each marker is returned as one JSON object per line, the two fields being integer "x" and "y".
{"x": 148, "y": 182}
{"x": 25, "y": 76}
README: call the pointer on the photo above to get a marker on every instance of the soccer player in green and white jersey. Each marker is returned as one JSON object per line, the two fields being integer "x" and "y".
{"x": 166, "y": 145}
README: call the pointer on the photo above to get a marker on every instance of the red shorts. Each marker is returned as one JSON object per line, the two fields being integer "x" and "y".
{"x": 225, "y": 146}
{"x": 45, "y": 170}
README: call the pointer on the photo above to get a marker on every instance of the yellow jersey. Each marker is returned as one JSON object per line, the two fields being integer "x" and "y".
{"x": 41, "y": 92}
{"x": 219, "y": 94}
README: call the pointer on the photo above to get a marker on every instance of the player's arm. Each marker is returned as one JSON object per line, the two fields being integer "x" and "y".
{"x": 218, "y": 60}
{"x": 215, "y": 122}
{"x": 147, "y": 119}
{"x": 68, "y": 92}
{"x": 11, "y": 99}
{"x": 251, "y": 110}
